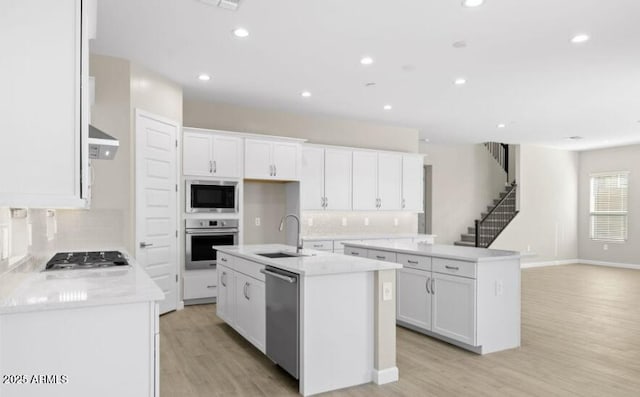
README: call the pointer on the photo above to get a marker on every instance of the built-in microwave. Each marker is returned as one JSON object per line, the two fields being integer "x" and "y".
{"x": 211, "y": 196}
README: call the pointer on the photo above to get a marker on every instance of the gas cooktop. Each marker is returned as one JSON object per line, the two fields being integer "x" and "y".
{"x": 86, "y": 260}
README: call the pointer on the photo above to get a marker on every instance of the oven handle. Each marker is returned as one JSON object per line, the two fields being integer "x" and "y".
{"x": 217, "y": 231}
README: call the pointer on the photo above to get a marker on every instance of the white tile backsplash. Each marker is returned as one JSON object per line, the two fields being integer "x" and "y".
{"x": 327, "y": 223}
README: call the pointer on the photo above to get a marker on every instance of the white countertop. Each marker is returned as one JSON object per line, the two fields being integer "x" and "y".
{"x": 321, "y": 263}
{"x": 469, "y": 254}
{"x": 26, "y": 288}
{"x": 367, "y": 236}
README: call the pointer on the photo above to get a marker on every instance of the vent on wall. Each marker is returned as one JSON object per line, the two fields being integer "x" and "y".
{"x": 226, "y": 4}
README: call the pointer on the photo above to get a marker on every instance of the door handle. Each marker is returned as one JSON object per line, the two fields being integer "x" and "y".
{"x": 433, "y": 286}
{"x": 145, "y": 245}
{"x": 427, "y": 285}
{"x": 223, "y": 279}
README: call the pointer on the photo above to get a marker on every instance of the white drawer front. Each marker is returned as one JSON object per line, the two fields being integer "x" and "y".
{"x": 201, "y": 285}
{"x": 225, "y": 259}
{"x": 382, "y": 256}
{"x": 324, "y": 245}
{"x": 360, "y": 252}
{"x": 453, "y": 267}
{"x": 415, "y": 261}
{"x": 248, "y": 268}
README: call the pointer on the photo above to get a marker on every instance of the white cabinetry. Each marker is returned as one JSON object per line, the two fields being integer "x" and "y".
{"x": 412, "y": 183}
{"x": 44, "y": 102}
{"x": 326, "y": 178}
{"x": 241, "y": 299}
{"x": 273, "y": 160}
{"x": 389, "y": 181}
{"x": 454, "y": 307}
{"x": 200, "y": 284}
{"x": 365, "y": 181}
{"x": 414, "y": 297}
{"x": 207, "y": 154}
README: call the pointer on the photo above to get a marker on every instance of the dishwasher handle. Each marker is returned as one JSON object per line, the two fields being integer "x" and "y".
{"x": 288, "y": 279}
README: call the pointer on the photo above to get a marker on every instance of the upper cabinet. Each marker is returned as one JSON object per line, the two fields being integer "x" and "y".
{"x": 209, "y": 154}
{"x": 413, "y": 183}
{"x": 44, "y": 102}
{"x": 389, "y": 181}
{"x": 326, "y": 178}
{"x": 377, "y": 181}
{"x": 271, "y": 160}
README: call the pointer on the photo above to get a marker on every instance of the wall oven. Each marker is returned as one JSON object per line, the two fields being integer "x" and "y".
{"x": 202, "y": 235}
{"x": 211, "y": 196}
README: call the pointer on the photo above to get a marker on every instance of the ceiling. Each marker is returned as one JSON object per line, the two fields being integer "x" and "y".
{"x": 521, "y": 68}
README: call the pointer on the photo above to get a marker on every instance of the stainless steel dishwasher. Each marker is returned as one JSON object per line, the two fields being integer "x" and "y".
{"x": 283, "y": 318}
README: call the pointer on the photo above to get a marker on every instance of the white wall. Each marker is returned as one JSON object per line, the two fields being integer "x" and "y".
{"x": 547, "y": 222}
{"x": 614, "y": 159}
{"x": 466, "y": 179}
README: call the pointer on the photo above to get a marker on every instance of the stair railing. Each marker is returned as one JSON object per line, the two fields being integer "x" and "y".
{"x": 495, "y": 221}
{"x": 500, "y": 152}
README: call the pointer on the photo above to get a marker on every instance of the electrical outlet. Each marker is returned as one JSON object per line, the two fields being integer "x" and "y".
{"x": 528, "y": 248}
{"x": 499, "y": 287}
{"x": 310, "y": 221}
{"x": 366, "y": 221}
{"x": 387, "y": 291}
{"x": 344, "y": 221}
{"x": 395, "y": 221}
{"x": 257, "y": 221}
{"x": 605, "y": 247}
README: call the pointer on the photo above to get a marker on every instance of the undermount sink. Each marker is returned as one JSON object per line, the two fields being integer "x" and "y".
{"x": 281, "y": 254}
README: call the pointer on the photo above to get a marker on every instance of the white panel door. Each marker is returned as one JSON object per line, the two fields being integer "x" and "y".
{"x": 365, "y": 180}
{"x": 257, "y": 160}
{"x": 412, "y": 183}
{"x": 312, "y": 178}
{"x": 285, "y": 160}
{"x": 414, "y": 297}
{"x": 196, "y": 154}
{"x": 454, "y": 307}
{"x": 225, "y": 306}
{"x": 156, "y": 203}
{"x": 390, "y": 181}
{"x": 227, "y": 156}
{"x": 337, "y": 185}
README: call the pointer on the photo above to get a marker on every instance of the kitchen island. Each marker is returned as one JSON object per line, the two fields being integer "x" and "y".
{"x": 467, "y": 296}
{"x": 345, "y": 316}
{"x": 92, "y": 332}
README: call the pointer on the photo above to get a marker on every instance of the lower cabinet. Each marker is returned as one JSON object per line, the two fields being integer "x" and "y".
{"x": 241, "y": 300}
{"x": 200, "y": 285}
{"x": 414, "y": 297}
{"x": 454, "y": 307}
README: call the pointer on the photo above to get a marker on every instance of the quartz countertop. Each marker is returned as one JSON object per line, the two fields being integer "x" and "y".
{"x": 26, "y": 288}
{"x": 367, "y": 236}
{"x": 469, "y": 254}
{"x": 319, "y": 264}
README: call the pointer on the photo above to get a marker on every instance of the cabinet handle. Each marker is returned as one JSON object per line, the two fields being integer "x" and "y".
{"x": 215, "y": 167}
{"x": 210, "y": 167}
{"x": 427, "y": 285}
{"x": 326, "y": 202}
{"x": 211, "y": 286}
{"x": 381, "y": 257}
{"x": 223, "y": 259}
{"x": 355, "y": 253}
{"x": 403, "y": 203}
{"x": 412, "y": 262}
{"x": 433, "y": 286}
{"x": 452, "y": 267}
{"x": 275, "y": 170}
{"x": 246, "y": 291}
{"x": 317, "y": 245}
{"x": 223, "y": 279}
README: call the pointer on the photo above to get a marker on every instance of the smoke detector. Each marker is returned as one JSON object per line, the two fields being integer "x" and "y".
{"x": 231, "y": 5}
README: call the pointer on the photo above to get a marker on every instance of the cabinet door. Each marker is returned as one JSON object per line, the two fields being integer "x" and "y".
{"x": 285, "y": 160}
{"x": 414, "y": 298}
{"x": 337, "y": 183}
{"x": 43, "y": 154}
{"x": 390, "y": 181}
{"x": 257, "y": 160}
{"x": 225, "y": 306}
{"x": 365, "y": 180}
{"x": 196, "y": 154}
{"x": 312, "y": 178}
{"x": 412, "y": 183}
{"x": 454, "y": 307}
{"x": 227, "y": 153}
{"x": 258, "y": 306}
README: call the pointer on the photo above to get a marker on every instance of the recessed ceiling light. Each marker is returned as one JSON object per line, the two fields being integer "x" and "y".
{"x": 574, "y": 138}
{"x": 580, "y": 38}
{"x": 305, "y": 94}
{"x": 366, "y": 61}
{"x": 240, "y": 33}
{"x": 387, "y": 107}
{"x": 204, "y": 77}
{"x": 460, "y": 81}
{"x": 472, "y": 3}
{"x": 460, "y": 44}
{"x": 502, "y": 125}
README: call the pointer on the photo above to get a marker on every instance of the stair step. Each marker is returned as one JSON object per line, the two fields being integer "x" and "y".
{"x": 506, "y": 208}
{"x": 497, "y": 213}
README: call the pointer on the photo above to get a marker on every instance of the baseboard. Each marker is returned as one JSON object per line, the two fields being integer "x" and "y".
{"x": 180, "y": 305}
{"x": 387, "y": 375}
{"x": 549, "y": 263}
{"x": 610, "y": 264}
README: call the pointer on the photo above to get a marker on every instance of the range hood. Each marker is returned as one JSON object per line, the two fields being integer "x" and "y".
{"x": 102, "y": 146}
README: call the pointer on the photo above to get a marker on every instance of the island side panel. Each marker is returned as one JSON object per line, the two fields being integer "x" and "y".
{"x": 337, "y": 331}
{"x": 498, "y": 305}
{"x": 385, "y": 369}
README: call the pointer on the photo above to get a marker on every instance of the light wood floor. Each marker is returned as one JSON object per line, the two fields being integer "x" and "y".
{"x": 580, "y": 336}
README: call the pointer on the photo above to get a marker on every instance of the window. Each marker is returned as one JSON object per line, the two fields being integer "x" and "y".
{"x": 609, "y": 197}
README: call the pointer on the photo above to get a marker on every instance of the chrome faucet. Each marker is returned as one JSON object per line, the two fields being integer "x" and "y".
{"x": 299, "y": 247}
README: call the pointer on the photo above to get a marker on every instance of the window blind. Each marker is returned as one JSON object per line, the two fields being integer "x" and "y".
{"x": 609, "y": 200}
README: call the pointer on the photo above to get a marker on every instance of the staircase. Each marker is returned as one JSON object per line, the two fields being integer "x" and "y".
{"x": 500, "y": 213}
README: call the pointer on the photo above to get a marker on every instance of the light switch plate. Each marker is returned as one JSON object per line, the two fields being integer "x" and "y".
{"x": 387, "y": 291}
{"x": 310, "y": 221}
{"x": 366, "y": 221}
{"x": 344, "y": 221}
{"x": 395, "y": 222}
{"x": 257, "y": 221}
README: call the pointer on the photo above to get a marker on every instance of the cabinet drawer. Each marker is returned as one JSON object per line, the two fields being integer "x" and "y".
{"x": 361, "y": 252}
{"x": 415, "y": 261}
{"x": 203, "y": 284}
{"x": 248, "y": 268}
{"x": 225, "y": 259}
{"x": 456, "y": 268}
{"x": 323, "y": 245}
{"x": 382, "y": 256}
